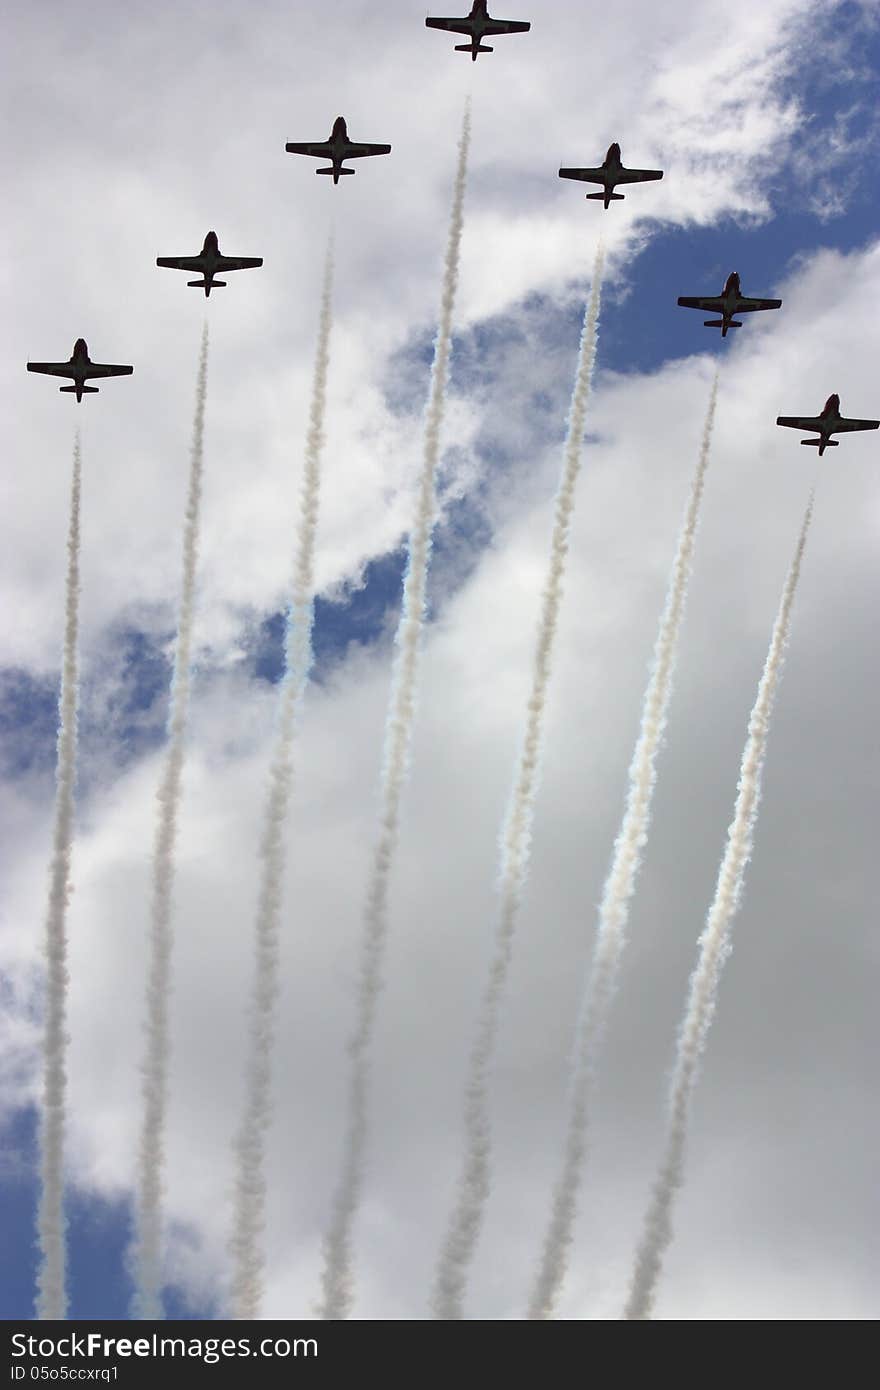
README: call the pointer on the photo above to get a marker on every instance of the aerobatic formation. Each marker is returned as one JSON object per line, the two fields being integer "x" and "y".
{"x": 246, "y": 1244}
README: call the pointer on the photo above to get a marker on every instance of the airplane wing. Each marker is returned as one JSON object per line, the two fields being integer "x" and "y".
{"x": 456, "y": 26}
{"x": 508, "y": 26}
{"x": 749, "y": 306}
{"x": 800, "y": 422}
{"x": 712, "y": 306}
{"x": 106, "y": 369}
{"x": 361, "y": 151}
{"x": 181, "y": 262}
{"x": 637, "y": 175}
{"x": 239, "y": 262}
{"x": 585, "y": 175}
{"x": 321, "y": 150}
{"x": 52, "y": 368}
{"x": 846, "y": 425}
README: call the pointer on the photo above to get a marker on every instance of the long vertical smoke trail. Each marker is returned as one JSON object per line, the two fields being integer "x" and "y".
{"x": 466, "y": 1219}
{"x": 250, "y": 1144}
{"x": 337, "y": 1276}
{"x": 51, "y": 1299}
{"x": 714, "y": 947}
{"x": 147, "y": 1301}
{"x": 619, "y": 888}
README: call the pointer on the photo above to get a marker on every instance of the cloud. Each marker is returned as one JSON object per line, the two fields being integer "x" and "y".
{"x": 784, "y": 1119}
{"x": 476, "y": 663}
{"x": 688, "y": 90}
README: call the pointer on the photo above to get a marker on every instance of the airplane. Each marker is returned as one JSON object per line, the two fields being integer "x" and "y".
{"x": 727, "y": 304}
{"x": 829, "y": 422}
{"x": 610, "y": 174}
{"x": 337, "y": 148}
{"x": 80, "y": 367}
{"x": 479, "y": 24}
{"x": 209, "y": 262}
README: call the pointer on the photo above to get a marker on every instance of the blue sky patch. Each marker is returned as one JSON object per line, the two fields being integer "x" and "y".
{"x": 28, "y": 723}
{"x": 99, "y": 1233}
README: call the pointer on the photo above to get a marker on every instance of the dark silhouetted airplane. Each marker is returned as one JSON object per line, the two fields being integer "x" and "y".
{"x": 729, "y": 303}
{"x": 829, "y": 422}
{"x": 337, "y": 148}
{"x": 80, "y": 368}
{"x": 610, "y": 174}
{"x": 480, "y": 25}
{"x": 208, "y": 263}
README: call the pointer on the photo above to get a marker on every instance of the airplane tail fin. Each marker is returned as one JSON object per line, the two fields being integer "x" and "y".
{"x": 92, "y": 390}
{"x": 203, "y": 285}
{"x": 473, "y": 49}
{"x": 822, "y": 444}
{"x": 601, "y": 197}
{"x": 719, "y": 323}
{"x": 337, "y": 171}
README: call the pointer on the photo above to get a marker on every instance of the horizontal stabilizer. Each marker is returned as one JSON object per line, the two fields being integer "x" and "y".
{"x": 203, "y": 284}
{"x": 829, "y": 443}
{"x": 92, "y": 390}
{"x": 613, "y": 197}
{"x": 339, "y": 171}
{"x": 719, "y": 323}
{"x": 467, "y": 48}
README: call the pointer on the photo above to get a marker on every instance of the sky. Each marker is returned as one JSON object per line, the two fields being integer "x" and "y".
{"x": 133, "y": 137}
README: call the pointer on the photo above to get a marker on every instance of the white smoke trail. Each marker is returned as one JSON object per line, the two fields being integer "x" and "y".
{"x": 147, "y": 1302}
{"x": 715, "y": 946}
{"x": 619, "y": 888}
{"x": 337, "y": 1276}
{"x": 250, "y": 1144}
{"x": 466, "y": 1219}
{"x": 51, "y": 1299}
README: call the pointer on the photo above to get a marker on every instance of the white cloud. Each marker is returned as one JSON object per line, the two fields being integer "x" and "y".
{"x": 111, "y": 171}
{"x": 474, "y": 682}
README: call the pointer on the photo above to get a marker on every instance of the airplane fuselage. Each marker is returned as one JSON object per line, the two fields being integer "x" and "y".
{"x": 478, "y": 21}
{"x": 731, "y": 298}
{"x": 612, "y": 166}
{"x": 79, "y": 365}
{"x": 730, "y": 294}
{"x": 829, "y": 416}
{"x": 829, "y": 421}
{"x": 210, "y": 258}
{"x": 340, "y": 145}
